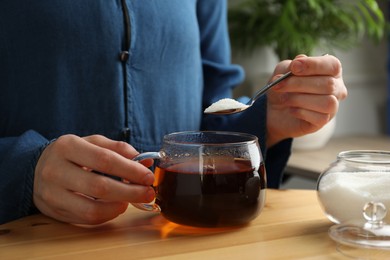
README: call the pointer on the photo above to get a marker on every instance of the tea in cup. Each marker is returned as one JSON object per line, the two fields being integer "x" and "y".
{"x": 208, "y": 179}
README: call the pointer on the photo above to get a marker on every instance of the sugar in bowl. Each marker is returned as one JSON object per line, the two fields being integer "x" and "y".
{"x": 354, "y": 193}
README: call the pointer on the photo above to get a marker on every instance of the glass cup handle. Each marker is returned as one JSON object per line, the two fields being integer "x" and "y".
{"x": 151, "y": 206}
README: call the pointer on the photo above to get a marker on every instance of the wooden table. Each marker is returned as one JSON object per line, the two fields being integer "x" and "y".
{"x": 291, "y": 226}
{"x": 311, "y": 163}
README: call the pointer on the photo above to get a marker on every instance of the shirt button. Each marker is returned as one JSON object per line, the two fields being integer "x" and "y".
{"x": 124, "y": 56}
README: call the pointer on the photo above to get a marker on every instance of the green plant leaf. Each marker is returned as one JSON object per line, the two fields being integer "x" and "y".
{"x": 292, "y": 27}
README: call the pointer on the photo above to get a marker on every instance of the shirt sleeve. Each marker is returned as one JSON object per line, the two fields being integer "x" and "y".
{"x": 18, "y": 157}
{"x": 220, "y": 77}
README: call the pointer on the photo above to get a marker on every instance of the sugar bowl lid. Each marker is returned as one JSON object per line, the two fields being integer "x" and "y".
{"x": 369, "y": 232}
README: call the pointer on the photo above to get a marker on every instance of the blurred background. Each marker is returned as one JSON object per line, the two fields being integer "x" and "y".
{"x": 364, "y": 57}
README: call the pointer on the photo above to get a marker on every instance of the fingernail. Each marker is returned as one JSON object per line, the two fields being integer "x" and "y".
{"x": 150, "y": 194}
{"x": 297, "y": 66}
{"x": 148, "y": 179}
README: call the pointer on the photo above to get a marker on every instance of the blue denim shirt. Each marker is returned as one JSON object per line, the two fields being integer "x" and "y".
{"x": 61, "y": 72}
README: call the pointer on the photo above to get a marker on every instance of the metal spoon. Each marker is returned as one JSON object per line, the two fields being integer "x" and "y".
{"x": 252, "y": 100}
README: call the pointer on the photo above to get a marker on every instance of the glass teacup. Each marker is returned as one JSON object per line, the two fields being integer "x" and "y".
{"x": 208, "y": 179}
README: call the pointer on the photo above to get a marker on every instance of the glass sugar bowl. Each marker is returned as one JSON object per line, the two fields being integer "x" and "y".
{"x": 354, "y": 193}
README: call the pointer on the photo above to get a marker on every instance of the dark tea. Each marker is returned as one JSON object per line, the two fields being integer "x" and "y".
{"x": 210, "y": 193}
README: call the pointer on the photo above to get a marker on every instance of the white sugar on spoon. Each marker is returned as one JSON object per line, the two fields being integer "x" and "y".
{"x": 230, "y": 106}
{"x": 225, "y": 104}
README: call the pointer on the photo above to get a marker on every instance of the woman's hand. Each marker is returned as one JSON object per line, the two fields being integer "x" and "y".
{"x": 66, "y": 189}
{"x": 306, "y": 101}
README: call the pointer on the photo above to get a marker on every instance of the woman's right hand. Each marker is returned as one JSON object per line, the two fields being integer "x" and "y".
{"x": 306, "y": 101}
{"x": 65, "y": 188}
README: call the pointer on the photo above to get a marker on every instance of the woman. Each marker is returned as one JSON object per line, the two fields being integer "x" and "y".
{"x": 79, "y": 78}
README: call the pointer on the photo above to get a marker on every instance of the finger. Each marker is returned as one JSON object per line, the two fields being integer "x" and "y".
{"x": 324, "y": 104}
{"x": 84, "y": 153}
{"x": 310, "y": 121}
{"x": 97, "y": 212}
{"x": 102, "y": 187}
{"x": 322, "y": 65}
{"x": 75, "y": 208}
{"x": 323, "y": 85}
{"x": 281, "y": 68}
{"x": 120, "y": 147}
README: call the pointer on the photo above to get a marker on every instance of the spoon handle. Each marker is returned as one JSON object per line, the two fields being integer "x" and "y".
{"x": 268, "y": 86}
